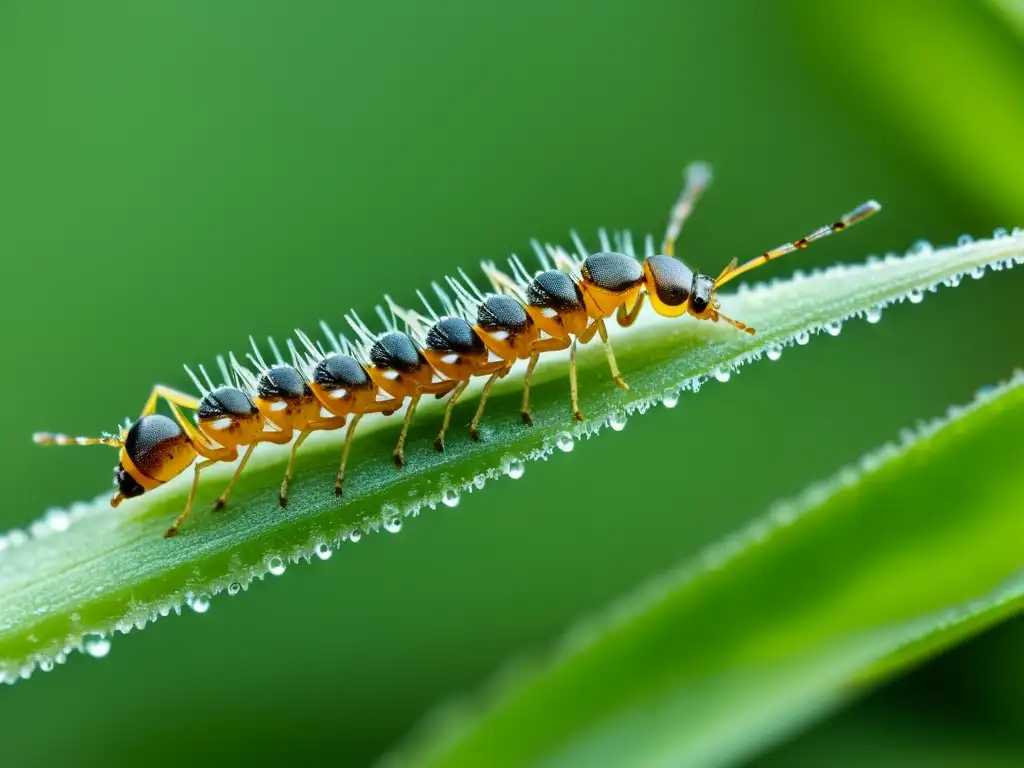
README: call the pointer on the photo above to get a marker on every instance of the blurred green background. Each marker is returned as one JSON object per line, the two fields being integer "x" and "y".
{"x": 177, "y": 175}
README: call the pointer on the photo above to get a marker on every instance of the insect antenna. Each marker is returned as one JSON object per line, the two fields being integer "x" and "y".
{"x": 203, "y": 391}
{"x": 49, "y": 438}
{"x": 857, "y": 215}
{"x": 697, "y": 179}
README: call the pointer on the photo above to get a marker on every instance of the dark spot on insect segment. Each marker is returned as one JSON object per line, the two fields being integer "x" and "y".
{"x": 396, "y": 350}
{"x": 615, "y": 272}
{"x": 453, "y": 334}
{"x": 554, "y": 290}
{"x": 148, "y": 438}
{"x": 226, "y": 401}
{"x": 672, "y": 279}
{"x": 502, "y": 313}
{"x": 282, "y": 382}
{"x": 839, "y": 225}
{"x": 341, "y": 372}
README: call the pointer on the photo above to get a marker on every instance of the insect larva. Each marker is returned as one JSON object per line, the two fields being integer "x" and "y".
{"x": 563, "y": 304}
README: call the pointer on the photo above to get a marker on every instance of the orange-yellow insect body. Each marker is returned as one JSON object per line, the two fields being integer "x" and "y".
{"x": 527, "y": 315}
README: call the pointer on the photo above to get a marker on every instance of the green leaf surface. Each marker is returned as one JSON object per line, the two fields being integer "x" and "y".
{"x": 79, "y": 574}
{"x": 887, "y": 562}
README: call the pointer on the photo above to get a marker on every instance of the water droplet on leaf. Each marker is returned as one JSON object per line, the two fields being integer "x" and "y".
{"x": 617, "y": 420}
{"x": 276, "y": 566}
{"x": 515, "y": 469}
{"x": 450, "y": 497}
{"x": 670, "y": 398}
{"x": 200, "y": 603}
{"x": 565, "y": 442}
{"x": 96, "y": 645}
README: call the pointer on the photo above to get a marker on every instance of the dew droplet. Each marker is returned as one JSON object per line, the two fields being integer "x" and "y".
{"x": 393, "y": 525}
{"x": 802, "y": 338}
{"x": 565, "y": 442}
{"x": 96, "y": 645}
{"x": 722, "y": 374}
{"x": 355, "y": 536}
{"x": 774, "y": 352}
{"x": 833, "y": 328}
{"x": 450, "y": 497}
{"x": 46, "y": 665}
{"x": 999, "y": 233}
{"x": 952, "y": 281}
{"x": 964, "y": 240}
{"x": 200, "y": 603}
{"x": 323, "y": 551}
{"x": 479, "y": 482}
{"x": 916, "y": 296}
{"x": 234, "y": 588}
{"x": 978, "y": 272}
{"x": 920, "y": 247}
{"x": 276, "y": 566}
{"x": 670, "y": 398}
{"x": 515, "y": 469}
{"x": 617, "y": 420}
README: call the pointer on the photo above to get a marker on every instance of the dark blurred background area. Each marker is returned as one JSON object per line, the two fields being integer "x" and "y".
{"x": 177, "y": 175}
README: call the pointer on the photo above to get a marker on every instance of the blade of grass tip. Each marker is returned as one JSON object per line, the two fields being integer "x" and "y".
{"x": 80, "y": 574}
{"x": 918, "y": 546}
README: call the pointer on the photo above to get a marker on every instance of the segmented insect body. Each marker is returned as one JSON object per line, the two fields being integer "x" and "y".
{"x": 563, "y": 304}
{"x": 400, "y": 368}
{"x": 614, "y": 283}
{"x": 156, "y": 448}
{"x": 343, "y": 387}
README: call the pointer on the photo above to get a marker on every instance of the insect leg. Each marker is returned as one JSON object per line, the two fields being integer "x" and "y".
{"x": 456, "y": 393}
{"x": 344, "y": 452}
{"x": 334, "y": 422}
{"x": 626, "y": 319}
{"x": 172, "y": 396}
{"x": 539, "y": 347}
{"x": 474, "y": 431}
{"x": 601, "y": 329}
{"x": 399, "y": 454}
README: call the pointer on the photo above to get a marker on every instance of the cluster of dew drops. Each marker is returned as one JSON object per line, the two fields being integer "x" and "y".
{"x": 97, "y": 645}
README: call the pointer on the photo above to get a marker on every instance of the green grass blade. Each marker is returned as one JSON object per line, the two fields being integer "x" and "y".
{"x": 920, "y": 545}
{"x": 86, "y": 572}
